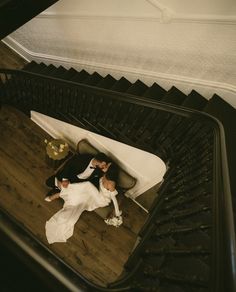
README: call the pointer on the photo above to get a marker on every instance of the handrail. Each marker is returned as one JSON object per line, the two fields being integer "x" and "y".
{"x": 227, "y": 210}
{"x": 224, "y": 245}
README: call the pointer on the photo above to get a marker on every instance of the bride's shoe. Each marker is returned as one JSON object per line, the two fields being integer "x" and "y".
{"x": 48, "y": 199}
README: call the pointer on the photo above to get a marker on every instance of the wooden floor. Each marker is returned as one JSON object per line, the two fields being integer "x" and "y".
{"x": 9, "y": 59}
{"x": 96, "y": 250}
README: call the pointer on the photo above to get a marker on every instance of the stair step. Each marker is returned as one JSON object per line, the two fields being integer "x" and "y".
{"x": 107, "y": 82}
{"x": 80, "y": 76}
{"x": 174, "y": 96}
{"x": 219, "y": 108}
{"x": 29, "y": 67}
{"x": 187, "y": 267}
{"x": 59, "y": 72}
{"x": 195, "y": 101}
{"x": 42, "y": 67}
{"x": 138, "y": 88}
{"x": 93, "y": 79}
{"x": 121, "y": 85}
{"x": 48, "y": 70}
{"x": 36, "y": 68}
{"x": 155, "y": 92}
{"x": 70, "y": 73}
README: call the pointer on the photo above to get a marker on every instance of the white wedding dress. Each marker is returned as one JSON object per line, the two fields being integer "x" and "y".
{"x": 77, "y": 197}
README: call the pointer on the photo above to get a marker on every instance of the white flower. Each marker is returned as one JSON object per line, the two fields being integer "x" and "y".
{"x": 115, "y": 221}
{"x": 55, "y": 153}
{"x": 46, "y": 141}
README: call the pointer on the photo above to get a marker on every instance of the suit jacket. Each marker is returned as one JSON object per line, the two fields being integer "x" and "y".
{"x": 77, "y": 164}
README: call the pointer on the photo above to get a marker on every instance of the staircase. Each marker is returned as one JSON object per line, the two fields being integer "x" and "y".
{"x": 216, "y": 106}
{"x": 188, "y": 241}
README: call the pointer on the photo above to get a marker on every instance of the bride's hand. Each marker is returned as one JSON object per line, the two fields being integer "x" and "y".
{"x": 105, "y": 167}
{"x": 65, "y": 183}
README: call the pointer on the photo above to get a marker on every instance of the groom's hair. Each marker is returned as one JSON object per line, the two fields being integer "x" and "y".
{"x": 100, "y": 156}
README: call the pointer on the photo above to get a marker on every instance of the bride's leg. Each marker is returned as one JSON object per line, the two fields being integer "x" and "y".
{"x": 60, "y": 226}
{"x": 52, "y": 197}
{"x": 55, "y": 196}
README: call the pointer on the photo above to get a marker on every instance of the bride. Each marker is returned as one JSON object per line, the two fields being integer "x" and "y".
{"x": 79, "y": 197}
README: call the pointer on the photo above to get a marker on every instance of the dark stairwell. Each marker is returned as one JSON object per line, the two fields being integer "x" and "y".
{"x": 187, "y": 243}
{"x": 15, "y": 13}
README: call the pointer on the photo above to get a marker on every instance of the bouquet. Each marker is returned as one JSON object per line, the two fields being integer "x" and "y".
{"x": 115, "y": 221}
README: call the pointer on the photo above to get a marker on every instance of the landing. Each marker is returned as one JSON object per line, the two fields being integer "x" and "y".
{"x": 96, "y": 250}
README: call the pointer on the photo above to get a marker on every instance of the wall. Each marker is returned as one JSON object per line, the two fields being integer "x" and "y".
{"x": 186, "y": 45}
{"x": 147, "y": 168}
{"x": 215, "y": 8}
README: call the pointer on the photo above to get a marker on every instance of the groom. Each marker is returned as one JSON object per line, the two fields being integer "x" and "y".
{"x": 81, "y": 167}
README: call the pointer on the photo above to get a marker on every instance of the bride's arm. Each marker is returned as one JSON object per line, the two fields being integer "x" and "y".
{"x": 116, "y": 206}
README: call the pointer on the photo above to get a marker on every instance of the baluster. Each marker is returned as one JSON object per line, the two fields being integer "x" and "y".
{"x": 81, "y": 106}
{"x": 183, "y": 214}
{"x": 146, "y": 122}
{"x": 175, "y": 278}
{"x": 150, "y": 251}
{"x": 181, "y": 201}
{"x": 135, "y": 120}
{"x": 181, "y": 230}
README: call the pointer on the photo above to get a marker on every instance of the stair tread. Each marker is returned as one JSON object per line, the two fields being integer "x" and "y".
{"x": 29, "y": 66}
{"x": 174, "y": 96}
{"x": 138, "y": 88}
{"x": 155, "y": 92}
{"x": 121, "y": 85}
{"x": 36, "y": 68}
{"x": 195, "y": 101}
{"x": 70, "y": 73}
{"x": 80, "y": 76}
{"x": 48, "y": 70}
{"x": 59, "y": 72}
{"x": 107, "y": 82}
{"x": 93, "y": 79}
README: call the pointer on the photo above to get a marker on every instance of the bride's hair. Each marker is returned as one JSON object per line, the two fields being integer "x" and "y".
{"x": 112, "y": 173}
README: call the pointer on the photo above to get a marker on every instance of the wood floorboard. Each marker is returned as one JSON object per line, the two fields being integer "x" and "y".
{"x": 96, "y": 250}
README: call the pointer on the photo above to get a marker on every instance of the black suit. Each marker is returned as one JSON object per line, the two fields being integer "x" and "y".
{"x": 76, "y": 165}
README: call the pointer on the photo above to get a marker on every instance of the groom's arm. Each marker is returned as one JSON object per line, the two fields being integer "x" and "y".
{"x": 73, "y": 167}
